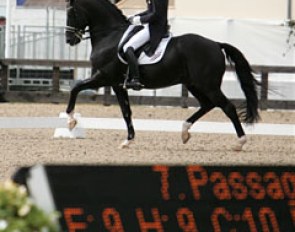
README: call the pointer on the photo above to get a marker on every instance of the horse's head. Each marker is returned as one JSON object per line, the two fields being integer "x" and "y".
{"x": 76, "y": 22}
{"x": 99, "y": 15}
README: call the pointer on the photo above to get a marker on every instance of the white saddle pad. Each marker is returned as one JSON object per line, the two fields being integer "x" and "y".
{"x": 143, "y": 59}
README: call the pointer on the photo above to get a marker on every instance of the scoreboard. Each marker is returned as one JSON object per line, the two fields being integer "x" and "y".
{"x": 174, "y": 198}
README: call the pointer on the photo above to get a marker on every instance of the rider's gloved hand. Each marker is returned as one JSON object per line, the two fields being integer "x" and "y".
{"x": 135, "y": 20}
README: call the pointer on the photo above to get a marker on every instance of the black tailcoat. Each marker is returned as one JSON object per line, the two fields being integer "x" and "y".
{"x": 156, "y": 16}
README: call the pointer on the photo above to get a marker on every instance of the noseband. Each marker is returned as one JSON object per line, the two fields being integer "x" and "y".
{"x": 79, "y": 33}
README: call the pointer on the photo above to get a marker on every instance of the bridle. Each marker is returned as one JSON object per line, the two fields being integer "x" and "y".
{"x": 79, "y": 33}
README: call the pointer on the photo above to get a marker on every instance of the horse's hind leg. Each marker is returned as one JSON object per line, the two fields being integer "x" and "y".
{"x": 123, "y": 100}
{"x": 230, "y": 110}
{"x": 205, "y": 106}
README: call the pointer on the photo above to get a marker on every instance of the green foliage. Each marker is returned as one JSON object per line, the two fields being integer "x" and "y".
{"x": 18, "y": 213}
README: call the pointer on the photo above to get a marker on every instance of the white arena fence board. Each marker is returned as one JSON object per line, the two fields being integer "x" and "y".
{"x": 144, "y": 125}
{"x": 32, "y": 122}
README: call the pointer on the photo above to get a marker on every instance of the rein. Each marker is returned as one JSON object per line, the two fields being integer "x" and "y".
{"x": 78, "y": 32}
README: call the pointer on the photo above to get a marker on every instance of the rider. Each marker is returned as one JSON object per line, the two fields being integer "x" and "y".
{"x": 154, "y": 20}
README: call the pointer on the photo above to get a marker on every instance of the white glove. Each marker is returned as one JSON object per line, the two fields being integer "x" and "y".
{"x": 135, "y": 20}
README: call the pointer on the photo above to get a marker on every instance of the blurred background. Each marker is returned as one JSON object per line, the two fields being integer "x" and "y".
{"x": 34, "y": 29}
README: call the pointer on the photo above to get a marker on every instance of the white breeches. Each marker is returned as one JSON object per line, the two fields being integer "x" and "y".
{"x": 139, "y": 39}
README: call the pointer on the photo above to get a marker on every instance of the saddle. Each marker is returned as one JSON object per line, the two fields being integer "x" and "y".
{"x": 143, "y": 58}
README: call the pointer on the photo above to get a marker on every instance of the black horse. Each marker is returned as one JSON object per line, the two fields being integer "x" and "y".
{"x": 191, "y": 60}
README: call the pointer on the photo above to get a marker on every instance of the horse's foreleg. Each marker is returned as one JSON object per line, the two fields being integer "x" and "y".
{"x": 90, "y": 83}
{"x": 72, "y": 122}
{"x": 123, "y": 100}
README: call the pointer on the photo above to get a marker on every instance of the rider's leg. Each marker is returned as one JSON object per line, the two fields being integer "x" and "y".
{"x": 133, "y": 69}
{"x": 139, "y": 39}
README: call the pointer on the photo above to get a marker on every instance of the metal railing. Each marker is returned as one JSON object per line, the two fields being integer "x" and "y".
{"x": 2, "y": 41}
{"x": 39, "y": 42}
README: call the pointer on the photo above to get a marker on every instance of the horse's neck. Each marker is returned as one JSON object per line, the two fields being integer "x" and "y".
{"x": 105, "y": 47}
{"x": 111, "y": 35}
{"x": 103, "y": 14}
{"x": 106, "y": 23}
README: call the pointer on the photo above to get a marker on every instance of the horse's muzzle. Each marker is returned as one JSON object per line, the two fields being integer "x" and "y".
{"x": 72, "y": 39}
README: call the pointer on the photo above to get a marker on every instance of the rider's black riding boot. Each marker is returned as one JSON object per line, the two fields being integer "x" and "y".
{"x": 133, "y": 70}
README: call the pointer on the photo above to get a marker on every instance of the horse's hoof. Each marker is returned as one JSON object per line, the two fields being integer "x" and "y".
{"x": 185, "y": 137}
{"x": 72, "y": 123}
{"x": 240, "y": 143}
{"x": 237, "y": 147}
{"x": 126, "y": 144}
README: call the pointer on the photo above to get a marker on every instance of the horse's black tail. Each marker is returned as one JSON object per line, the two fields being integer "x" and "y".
{"x": 249, "y": 113}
